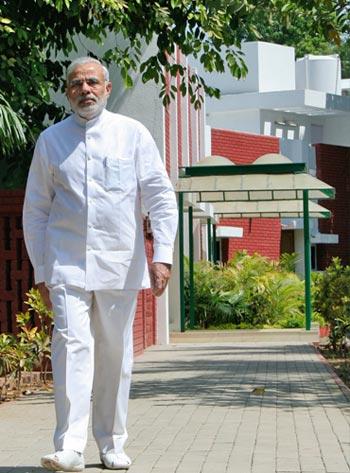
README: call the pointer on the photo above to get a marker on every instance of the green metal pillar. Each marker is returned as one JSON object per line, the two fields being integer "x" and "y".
{"x": 181, "y": 262}
{"x": 307, "y": 260}
{"x": 209, "y": 239}
{"x": 214, "y": 244}
{"x": 191, "y": 271}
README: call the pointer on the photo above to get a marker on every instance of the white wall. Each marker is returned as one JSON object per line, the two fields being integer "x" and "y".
{"x": 242, "y": 120}
{"x": 271, "y": 67}
{"x": 276, "y": 70}
{"x": 337, "y": 131}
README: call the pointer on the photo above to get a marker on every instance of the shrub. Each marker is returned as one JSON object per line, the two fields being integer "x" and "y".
{"x": 249, "y": 290}
{"x": 332, "y": 301}
{"x": 31, "y": 347}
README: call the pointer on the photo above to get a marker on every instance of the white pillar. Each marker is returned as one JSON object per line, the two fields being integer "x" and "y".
{"x": 299, "y": 249}
{"x": 163, "y": 318}
{"x": 174, "y": 292}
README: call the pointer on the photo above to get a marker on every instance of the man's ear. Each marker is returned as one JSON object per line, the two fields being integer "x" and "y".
{"x": 109, "y": 87}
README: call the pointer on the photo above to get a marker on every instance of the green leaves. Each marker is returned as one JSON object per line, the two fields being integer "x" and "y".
{"x": 31, "y": 347}
{"x": 332, "y": 300}
{"x": 12, "y": 129}
{"x": 250, "y": 290}
{"x": 4, "y": 25}
{"x": 36, "y": 36}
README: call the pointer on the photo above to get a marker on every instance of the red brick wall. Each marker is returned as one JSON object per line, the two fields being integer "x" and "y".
{"x": 179, "y": 111}
{"x": 259, "y": 234}
{"x": 16, "y": 274}
{"x": 189, "y": 119}
{"x": 167, "y": 129}
{"x": 145, "y": 317}
{"x": 242, "y": 148}
{"x": 145, "y": 322}
{"x": 333, "y": 167}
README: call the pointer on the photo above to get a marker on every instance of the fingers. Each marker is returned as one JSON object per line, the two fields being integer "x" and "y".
{"x": 160, "y": 275}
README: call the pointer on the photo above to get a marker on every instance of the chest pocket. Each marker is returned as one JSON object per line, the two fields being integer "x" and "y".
{"x": 119, "y": 174}
{"x": 112, "y": 174}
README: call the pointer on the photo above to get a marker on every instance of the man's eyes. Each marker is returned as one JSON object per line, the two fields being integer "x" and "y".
{"x": 91, "y": 81}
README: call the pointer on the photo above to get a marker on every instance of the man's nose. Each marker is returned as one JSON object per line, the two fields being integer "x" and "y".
{"x": 85, "y": 88}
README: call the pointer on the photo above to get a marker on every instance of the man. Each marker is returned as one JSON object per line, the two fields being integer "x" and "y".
{"x": 90, "y": 176}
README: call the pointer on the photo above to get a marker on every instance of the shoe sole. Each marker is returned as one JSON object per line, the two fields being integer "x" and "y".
{"x": 52, "y": 465}
{"x": 119, "y": 467}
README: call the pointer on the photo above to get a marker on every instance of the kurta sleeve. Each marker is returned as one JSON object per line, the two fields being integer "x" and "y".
{"x": 157, "y": 197}
{"x": 37, "y": 204}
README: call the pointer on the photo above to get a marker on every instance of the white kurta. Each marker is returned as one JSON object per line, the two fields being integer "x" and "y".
{"x": 82, "y": 215}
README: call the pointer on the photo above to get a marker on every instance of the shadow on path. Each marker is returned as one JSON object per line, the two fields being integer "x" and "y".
{"x": 288, "y": 376}
{"x": 39, "y": 469}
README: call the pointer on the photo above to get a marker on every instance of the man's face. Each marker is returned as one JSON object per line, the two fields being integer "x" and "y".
{"x": 87, "y": 90}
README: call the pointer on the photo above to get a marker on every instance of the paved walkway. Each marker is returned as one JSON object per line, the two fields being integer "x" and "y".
{"x": 211, "y": 408}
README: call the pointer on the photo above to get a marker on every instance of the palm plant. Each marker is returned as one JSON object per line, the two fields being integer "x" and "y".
{"x": 12, "y": 135}
{"x": 250, "y": 290}
{"x": 8, "y": 361}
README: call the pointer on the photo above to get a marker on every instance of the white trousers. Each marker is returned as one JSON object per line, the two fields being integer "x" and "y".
{"x": 92, "y": 351}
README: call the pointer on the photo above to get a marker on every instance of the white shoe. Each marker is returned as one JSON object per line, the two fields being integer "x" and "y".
{"x": 63, "y": 460}
{"x": 115, "y": 461}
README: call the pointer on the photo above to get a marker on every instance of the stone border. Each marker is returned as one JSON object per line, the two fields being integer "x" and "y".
{"x": 342, "y": 386}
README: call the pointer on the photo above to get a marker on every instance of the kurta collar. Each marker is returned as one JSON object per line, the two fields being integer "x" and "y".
{"x": 89, "y": 123}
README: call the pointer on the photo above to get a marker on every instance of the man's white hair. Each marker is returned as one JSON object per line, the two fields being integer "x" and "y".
{"x": 85, "y": 60}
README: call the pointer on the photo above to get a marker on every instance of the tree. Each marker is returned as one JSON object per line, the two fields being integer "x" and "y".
{"x": 37, "y": 35}
{"x": 296, "y": 30}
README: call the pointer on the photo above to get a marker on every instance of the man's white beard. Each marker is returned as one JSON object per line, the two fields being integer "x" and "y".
{"x": 90, "y": 111}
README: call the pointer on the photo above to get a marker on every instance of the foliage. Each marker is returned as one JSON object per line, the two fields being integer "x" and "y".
{"x": 339, "y": 334}
{"x": 12, "y": 134}
{"x": 296, "y": 30}
{"x": 8, "y": 359}
{"x": 36, "y": 36}
{"x": 31, "y": 347}
{"x": 344, "y": 52}
{"x": 332, "y": 301}
{"x": 250, "y": 290}
{"x": 288, "y": 261}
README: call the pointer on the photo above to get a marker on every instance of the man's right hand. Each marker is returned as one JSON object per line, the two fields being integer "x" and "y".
{"x": 45, "y": 295}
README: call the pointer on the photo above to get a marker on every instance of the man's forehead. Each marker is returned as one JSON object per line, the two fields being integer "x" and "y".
{"x": 90, "y": 68}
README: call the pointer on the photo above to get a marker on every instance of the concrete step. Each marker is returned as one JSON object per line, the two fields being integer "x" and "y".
{"x": 263, "y": 335}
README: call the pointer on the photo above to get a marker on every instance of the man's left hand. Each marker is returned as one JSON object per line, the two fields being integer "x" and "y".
{"x": 160, "y": 275}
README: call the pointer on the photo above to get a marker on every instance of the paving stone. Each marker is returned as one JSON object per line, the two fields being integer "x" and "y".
{"x": 210, "y": 408}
